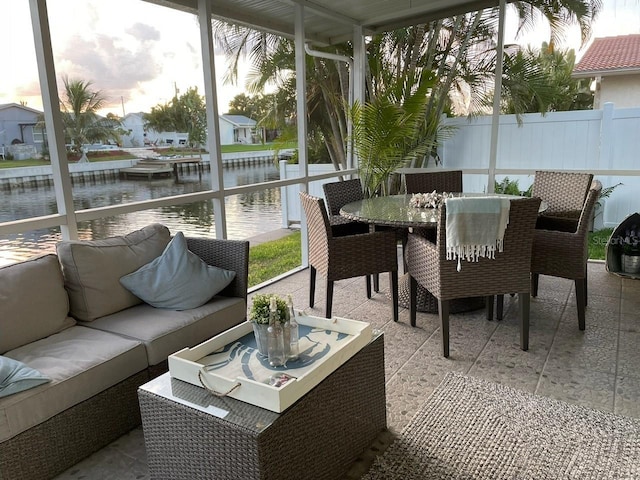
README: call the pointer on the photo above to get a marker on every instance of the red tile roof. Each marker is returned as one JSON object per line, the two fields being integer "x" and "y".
{"x": 611, "y": 54}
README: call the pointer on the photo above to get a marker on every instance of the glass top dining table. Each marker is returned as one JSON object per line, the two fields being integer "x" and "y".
{"x": 395, "y": 210}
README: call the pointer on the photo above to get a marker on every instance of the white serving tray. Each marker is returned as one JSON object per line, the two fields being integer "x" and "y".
{"x": 224, "y": 361}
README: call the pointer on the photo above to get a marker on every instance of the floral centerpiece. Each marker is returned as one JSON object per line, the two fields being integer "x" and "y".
{"x": 260, "y": 314}
{"x": 429, "y": 200}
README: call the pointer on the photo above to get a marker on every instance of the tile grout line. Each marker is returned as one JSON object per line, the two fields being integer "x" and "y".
{"x": 553, "y": 341}
{"x": 615, "y": 378}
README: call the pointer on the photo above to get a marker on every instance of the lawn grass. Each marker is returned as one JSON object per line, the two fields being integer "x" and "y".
{"x": 270, "y": 259}
{"x": 105, "y": 157}
{"x": 35, "y": 162}
{"x": 256, "y": 147}
{"x": 598, "y": 242}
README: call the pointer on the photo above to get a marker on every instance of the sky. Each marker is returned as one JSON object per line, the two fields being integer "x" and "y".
{"x": 138, "y": 53}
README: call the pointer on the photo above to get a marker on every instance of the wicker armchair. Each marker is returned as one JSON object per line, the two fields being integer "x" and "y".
{"x": 565, "y": 254}
{"x": 340, "y": 257}
{"x": 564, "y": 193}
{"x": 507, "y": 272}
{"x": 440, "y": 181}
{"x": 338, "y": 194}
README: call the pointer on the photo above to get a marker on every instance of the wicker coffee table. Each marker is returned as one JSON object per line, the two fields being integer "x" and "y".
{"x": 190, "y": 434}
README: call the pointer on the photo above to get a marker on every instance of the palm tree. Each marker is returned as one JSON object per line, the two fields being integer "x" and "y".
{"x": 459, "y": 50}
{"x": 539, "y": 80}
{"x": 185, "y": 113}
{"x": 79, "y": 109}
{"x": 389, "y": 130}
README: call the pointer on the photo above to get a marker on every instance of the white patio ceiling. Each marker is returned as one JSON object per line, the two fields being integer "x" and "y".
{"x": 330, "y": 21}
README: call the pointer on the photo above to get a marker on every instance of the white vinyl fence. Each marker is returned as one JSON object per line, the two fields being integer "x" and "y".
{"x": 605, "y": 142}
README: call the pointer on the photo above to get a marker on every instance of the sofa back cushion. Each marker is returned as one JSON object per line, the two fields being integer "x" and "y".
{"x": 33, "y": 302}
{"x": 92, "y": 269}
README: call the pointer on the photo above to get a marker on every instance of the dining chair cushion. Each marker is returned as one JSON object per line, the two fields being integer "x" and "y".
{"x": 178, "y": 279}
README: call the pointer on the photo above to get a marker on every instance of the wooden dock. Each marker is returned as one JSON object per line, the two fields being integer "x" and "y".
{"x": 161, "y": 167}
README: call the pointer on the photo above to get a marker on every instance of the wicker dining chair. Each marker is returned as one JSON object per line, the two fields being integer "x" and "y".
{"x": 338, "y": 194}
{"x": 348, "y": 256}
{"x": 440, "y": 181}
{"x": 565, "y": 254}
{"x": 564, "y": 194}
{"x": 506, "y": 273}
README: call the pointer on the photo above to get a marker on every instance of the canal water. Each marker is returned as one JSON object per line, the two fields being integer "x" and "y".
{"x": 247, "y": 214}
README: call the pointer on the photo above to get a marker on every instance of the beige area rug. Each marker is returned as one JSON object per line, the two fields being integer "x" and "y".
{"x": 473, "y": 429}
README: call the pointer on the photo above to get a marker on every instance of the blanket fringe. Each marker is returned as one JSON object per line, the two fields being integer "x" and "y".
{"x": 471, "y": 253}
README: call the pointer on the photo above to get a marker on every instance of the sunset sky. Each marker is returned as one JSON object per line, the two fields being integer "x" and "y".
{"x": 137, "y": 53}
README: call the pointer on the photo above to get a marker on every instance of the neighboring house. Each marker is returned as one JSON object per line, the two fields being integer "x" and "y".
{"x": 233, "y": 129}
{"x": 614, "y": 62}
{"x": 138, "y": 136}
{"x": 239, "y": 129}
{"x": 17, "y": 127}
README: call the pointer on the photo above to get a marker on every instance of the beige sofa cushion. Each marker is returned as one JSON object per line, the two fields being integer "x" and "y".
{"x": 81, "y": 363}
{"x": 92, "y": 269}
{"x": 33, "y": 302}
{"x": 164, "y": 332}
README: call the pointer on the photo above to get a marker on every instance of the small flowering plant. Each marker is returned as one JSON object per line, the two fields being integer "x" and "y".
{"x": 629, "y": 243}
{"x": 260, "y": 308}
{"x": 429, "y": 200}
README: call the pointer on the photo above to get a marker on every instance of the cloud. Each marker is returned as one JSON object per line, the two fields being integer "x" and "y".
{"x": 111, "y": 66}
{"x": 143, "y": 32}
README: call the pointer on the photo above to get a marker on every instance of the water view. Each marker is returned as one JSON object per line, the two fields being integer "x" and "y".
{"x": 247, "y": 214}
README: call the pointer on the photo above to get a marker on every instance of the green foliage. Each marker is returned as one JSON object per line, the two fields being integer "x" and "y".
{"x": 389, "y": 130}
{"x": 270, "y": 259}
{"x": 511, "y": 187}
{"x": 261, "y": 308}
{"x": 540, "y": 81}
{"x": 186, "y": 113}
{"x": 79, "y": 110}
{"x": 257, "y": 107}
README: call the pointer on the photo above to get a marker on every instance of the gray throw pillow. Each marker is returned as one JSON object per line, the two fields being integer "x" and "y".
{"x": 15, "y": 377}
{"x": 178, "y": 279}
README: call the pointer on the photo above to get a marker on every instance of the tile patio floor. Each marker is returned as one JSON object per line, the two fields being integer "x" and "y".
{"x": 598, "y": 368}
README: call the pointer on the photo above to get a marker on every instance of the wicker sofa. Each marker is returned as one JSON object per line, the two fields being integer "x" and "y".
{"x": 68, "y": 317}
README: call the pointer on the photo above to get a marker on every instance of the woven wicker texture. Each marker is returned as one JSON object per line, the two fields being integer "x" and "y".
{"x": 508, "y": 272}
{"x": 57, "y": 444}
{"x": 563, "y": 192}
{"x": 338, "y": 194}
{"x": 318, "y": 438}
{"x": 48, "y": 449}
{"x": 427, "y": 182}
{"x": 476, "y": 430}
{"x": 337, "y": 258}
{"x": 227, "y": 254}
{"x": 564, "y": 254}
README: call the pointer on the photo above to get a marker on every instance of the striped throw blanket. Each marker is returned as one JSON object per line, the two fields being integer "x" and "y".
{"x": 475, "y": 227}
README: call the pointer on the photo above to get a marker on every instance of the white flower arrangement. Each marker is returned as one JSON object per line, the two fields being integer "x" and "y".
{"x": 429, "y": 200}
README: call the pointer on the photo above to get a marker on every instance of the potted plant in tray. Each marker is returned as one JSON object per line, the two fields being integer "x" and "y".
{"x": 629, "y": 244}
{"x": 259, "y": 315}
